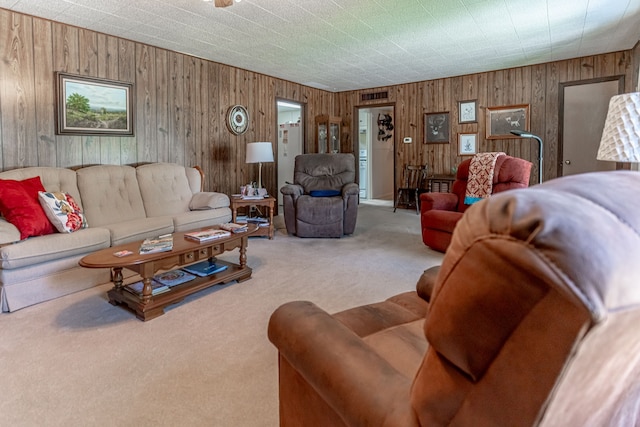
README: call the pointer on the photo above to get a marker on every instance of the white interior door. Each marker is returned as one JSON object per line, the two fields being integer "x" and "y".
{"x": 377, "y": 145}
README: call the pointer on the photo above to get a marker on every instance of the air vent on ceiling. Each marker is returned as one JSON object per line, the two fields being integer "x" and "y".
{"x": 374, "y": 95}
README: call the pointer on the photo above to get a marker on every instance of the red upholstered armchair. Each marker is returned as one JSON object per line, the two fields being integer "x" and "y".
{"x": 440, "y": 212}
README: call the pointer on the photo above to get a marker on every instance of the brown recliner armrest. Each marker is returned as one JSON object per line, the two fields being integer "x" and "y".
{"x": 438, "y": 201}
{"x": 426, "y": 283}
{"x": 359, "y": 385}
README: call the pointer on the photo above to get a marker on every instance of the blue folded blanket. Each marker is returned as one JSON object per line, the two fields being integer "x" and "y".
{"x": 325, "y": 193}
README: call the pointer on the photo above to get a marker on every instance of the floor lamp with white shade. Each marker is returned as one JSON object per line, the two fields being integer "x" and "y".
{"x": 621, "y": 134}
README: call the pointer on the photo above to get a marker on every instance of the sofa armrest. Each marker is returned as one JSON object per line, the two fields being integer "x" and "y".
{"x": 294, "y": 190}
{"x": 9, "y": 233}
{"x": 208, "y": 200}
{"x": 427, "y": 282}
{"x": 344, "y": 371}
{"x": 350, "y": 189}
{"x": 438, "y": 201}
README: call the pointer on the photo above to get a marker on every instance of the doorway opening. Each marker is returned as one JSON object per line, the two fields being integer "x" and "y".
{"x": 375, "y": 150}
{"x": 583, "y": 110}
{"x": 290, "y": 141}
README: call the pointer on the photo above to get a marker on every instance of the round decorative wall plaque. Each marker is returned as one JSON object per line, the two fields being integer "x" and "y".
{"x": 238, "y": 119}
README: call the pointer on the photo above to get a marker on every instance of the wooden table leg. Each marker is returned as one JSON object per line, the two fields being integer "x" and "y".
{"x": 117, "y": 277}
{"x": 271, "y": 227}
{"x": 243, "y": 252}
{"x": 146, "y": 290}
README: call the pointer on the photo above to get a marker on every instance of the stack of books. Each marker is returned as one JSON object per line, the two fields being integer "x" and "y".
{"x": 205, "y": 268}
{"x": 173, "y": 277}
{"x": 234, "y": 228}
{"x": 156, "y": 288}
{"x": 206, "y": 235}
{"x": 262, "y": 222}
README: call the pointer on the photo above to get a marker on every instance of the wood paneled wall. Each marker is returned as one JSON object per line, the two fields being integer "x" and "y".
{"x": 536, "y": 85}
{"x": 180, "y": 104}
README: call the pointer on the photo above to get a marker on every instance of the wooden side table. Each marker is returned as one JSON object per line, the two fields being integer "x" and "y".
{"x": 268, "y": 202}
{"x": 440, "y": 183}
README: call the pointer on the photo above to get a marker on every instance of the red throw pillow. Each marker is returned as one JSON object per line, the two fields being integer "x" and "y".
{"x": 20, "y": 206}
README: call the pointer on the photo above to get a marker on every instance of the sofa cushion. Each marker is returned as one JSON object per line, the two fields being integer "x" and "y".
{"x": 208, "y": 200}
{"x": 63, "y": 211}
{"x": 110, "y": 194}
{"x": 54, "y": 246}
{"x": 53, "y": 179}
{"x": 203, "y": 218}
{"x": 139, "y": 229}
{"x": 164, "y": 188}
{"x": 19, "y": 205}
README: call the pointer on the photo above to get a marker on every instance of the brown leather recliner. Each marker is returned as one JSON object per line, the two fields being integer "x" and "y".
{"x": 440, "y": 212}
{"x": 323, "y": 199}
{"x": 533, "y": 321}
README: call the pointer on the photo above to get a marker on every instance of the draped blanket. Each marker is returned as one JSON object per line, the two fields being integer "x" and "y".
{"x": 480, "y": 181}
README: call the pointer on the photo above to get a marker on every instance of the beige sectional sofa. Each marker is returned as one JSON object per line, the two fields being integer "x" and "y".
{"x": 121, "y": 204}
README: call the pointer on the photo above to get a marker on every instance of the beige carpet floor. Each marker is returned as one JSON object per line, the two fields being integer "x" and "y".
{"x": 79, "y": 361}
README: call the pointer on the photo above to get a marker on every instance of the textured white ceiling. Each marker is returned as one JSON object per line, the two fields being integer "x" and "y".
{"x": 353, "y": 44}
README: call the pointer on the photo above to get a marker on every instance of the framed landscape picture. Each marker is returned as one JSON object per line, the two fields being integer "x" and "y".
{"x": 502, "y": 120}
{"x": 467, "y": 111}
{"x": 467, "y": 144}
{"x": 436, "y": 128}
{"x": 92, "y": 106}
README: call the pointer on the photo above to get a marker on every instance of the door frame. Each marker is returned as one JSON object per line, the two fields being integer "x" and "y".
{"x": 355, "y": 138}
{"x": 303, "y": 122}
{"x": 562, "y": 86}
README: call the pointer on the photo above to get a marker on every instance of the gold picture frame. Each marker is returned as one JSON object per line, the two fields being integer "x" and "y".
{"x": 468, "y": 111}
{"x": 93, "y": 106}
{"x": 467, "y": 144}
{"x": 502, "y": 120}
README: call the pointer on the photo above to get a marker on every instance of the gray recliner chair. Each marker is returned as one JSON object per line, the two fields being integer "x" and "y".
{"x": 323, "y": 200}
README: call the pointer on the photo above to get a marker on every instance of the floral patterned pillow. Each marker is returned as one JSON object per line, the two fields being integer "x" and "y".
{"x": 63, "y": 212}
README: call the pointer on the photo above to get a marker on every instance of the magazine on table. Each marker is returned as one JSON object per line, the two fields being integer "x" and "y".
{"x": 157, "y": 244}
{"x": 156, "y": 288}
{"x": 205, "y": 235}
{"x": 205, "y": 268}
{"x": 173, "y": 277}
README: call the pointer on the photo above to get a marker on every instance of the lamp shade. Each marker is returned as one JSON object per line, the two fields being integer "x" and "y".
{"x": 621, "y": 134}
{"x": 259, "y": 152}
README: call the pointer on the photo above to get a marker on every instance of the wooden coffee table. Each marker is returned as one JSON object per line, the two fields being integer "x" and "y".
{"x": 184, "y": 252}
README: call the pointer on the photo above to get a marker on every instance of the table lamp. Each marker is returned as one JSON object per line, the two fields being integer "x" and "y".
{"x": 621, "y": 134}
{"x": 259, "y": 152}
{"x": 523, "y": 134}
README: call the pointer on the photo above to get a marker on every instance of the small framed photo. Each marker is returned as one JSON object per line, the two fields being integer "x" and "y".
{"x": 467, "y": 144}
{"x": 436, "y": 128}
{"x": 502, "y": 120}
{"x": 93, "y": 106}
{"x": 468, "y": 111}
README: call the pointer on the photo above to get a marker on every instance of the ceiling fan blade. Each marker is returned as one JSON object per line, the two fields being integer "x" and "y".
{"x": 223, "y": 3}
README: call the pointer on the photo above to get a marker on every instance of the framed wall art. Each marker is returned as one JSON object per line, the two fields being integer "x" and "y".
{"x": 93, "y": 106}
{"x": 436, "y": 128}
{"x": 468, "y": 111}
{"x": 502, "y": 120}
{"x": 467, "y": 144}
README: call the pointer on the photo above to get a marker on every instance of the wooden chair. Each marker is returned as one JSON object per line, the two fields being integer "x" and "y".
{"x": 408, "y": 195}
